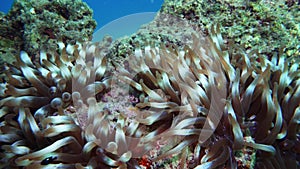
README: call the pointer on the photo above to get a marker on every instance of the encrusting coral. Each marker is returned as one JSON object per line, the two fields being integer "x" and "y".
{"x": 36, "y": 25}
{"x": 209, "y": 101}
{"x": 261, "y": 25}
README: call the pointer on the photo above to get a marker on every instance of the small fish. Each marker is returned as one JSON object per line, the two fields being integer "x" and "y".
{"x": 48, "y": 160}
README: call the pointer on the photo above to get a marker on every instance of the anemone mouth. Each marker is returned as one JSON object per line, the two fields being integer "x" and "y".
{"x": 202, "y": 102}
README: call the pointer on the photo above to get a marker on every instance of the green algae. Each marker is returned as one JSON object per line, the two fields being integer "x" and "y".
{"x": 260, "y": 25}
{"x": 268, "y": 27}
{"x": 38, "y": 25}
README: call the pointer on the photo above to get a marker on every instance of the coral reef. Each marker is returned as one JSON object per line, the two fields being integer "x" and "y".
{"x": 38, "y": 25}
{"x": 169, "y": 96}
{"x": 260, "y": 25}
{"x": 164, "y": 28}
{"x": 9, "y": 38}
{"x": 265, "y": 26}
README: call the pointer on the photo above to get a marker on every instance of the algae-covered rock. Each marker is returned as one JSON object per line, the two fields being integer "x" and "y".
{"x": 10, "y": 38}
{"x": 165, "y": 30}
{"x": 262, "y": 25}
{"x": 38, "y": 25}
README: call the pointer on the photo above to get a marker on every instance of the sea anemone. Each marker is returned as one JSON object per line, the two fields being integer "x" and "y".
{"x": 39, "y": 124}
{"x": 217, "y": 101}
{"x": 209, "y": 102}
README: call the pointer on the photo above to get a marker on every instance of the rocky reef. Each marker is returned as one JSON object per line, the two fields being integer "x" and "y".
{"x": 32, "y": 26}
{"x": 261, "y": 25}
{"x": 270, "y": 28}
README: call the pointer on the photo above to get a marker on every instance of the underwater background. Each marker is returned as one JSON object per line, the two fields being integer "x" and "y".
{"x": 149, "y": 84}
{"x": 106, "y": 11}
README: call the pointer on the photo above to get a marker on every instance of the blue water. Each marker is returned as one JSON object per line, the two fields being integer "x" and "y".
{"x": 106, "y": 11}
{"x": 123, "y": 26}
